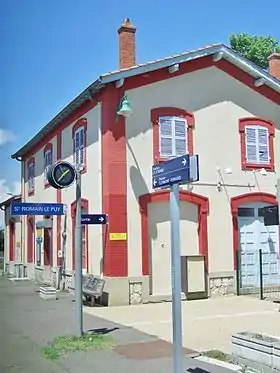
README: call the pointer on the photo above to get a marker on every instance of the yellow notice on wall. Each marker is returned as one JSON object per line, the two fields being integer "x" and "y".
{"x": 117, "y": 236}
{"x": 39, "y": 232}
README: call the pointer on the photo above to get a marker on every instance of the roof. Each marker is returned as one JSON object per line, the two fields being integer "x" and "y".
{"x": 89, "y": 93}
{"x": 9, "y": 200}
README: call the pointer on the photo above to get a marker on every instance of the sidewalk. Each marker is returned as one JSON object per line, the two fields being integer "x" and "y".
{"x": 28, "y": 323}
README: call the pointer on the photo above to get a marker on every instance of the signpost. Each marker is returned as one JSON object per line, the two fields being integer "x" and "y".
{"x": 24, "y": 208}
{"x": 94, "y": 219}
{"x": 180, "y": 170}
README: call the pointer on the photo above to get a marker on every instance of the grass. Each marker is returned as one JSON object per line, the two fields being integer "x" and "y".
{"x": 62, "y": 345}
{"x": 218, "y": 355}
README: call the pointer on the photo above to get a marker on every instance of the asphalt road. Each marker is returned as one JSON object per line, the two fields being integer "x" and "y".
{"x": 27, "y": 323}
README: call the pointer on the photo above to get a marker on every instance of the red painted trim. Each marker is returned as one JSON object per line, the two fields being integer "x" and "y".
{"x": 48, "y": 147}
{"x": 248, "y": 80}
{"x": 30, "y": 239}
{"x": 85, "y": 206}
{"x": 170, "y": 111}
{"x": 163, "y": 196}
{"x": 51, "y": 257}
{"x": 80, "y": 123}
{"x": 253, "y": 121}
{"x": 235, "y": 202}
{"x": 114, "y": 183}
{"x": 29, "y": 163}
{"x": 12, "y": 237}
{"x": 59, "y": 200}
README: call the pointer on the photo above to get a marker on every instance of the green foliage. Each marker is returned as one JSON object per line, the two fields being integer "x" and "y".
{"x": 218, "y": 355}
{"x": 2, "y": 235}
{"x": 62, "y": 345}
{"x": 255, "y": 48}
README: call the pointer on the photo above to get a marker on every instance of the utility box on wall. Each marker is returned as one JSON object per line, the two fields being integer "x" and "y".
{"x": 194, "y": 279}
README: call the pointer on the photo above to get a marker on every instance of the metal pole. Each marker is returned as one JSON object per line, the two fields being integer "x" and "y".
{"x": 78, "y": 258}
{"x": 176, "y": 279}
{"x": 261, "y": 274}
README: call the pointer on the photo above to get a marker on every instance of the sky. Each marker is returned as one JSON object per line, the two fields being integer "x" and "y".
{"x": 51, "y": 50}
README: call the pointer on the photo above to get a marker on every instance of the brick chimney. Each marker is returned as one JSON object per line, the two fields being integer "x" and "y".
{"x": 274, "y": 65}
{"x": 126, "y": 44}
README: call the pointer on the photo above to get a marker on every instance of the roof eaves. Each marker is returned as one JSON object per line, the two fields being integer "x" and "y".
{"x": 250, "y": 67}
{"x": 160, "y": 64}
{"x": 9, "y": 200}
{"x": 88, "y": 93}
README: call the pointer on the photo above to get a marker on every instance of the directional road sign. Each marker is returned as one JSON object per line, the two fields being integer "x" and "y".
{"x": 93, "y": 219}
{"x": 180, "y": 170}
{"x": 25, "y": 208}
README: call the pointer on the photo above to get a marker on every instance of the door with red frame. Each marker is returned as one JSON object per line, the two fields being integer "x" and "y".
{"x": 47, "y": 247}
{"x": 12, "y": 239}
{"x": 30, "y": 240}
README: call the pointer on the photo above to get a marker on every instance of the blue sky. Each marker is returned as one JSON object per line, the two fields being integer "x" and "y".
{"x": 51, "y": 50}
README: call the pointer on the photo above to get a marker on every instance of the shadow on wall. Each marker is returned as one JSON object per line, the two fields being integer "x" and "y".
{"x": 140, "y": 188}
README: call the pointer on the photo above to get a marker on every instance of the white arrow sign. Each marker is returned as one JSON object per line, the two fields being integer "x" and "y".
{"x": 155, "y": 182}
{"x": 101, "y": 219}
{"x": 184, "y": 162}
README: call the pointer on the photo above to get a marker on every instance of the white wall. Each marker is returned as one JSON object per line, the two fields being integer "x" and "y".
{"x": 217, "y": 101}
{"x": 91, "y": 186}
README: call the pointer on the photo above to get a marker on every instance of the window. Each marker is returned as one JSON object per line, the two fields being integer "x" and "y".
{"x": 172, "y": 132}
{"x": 257, "y": 143}
{"x": 79, "y": 142}
{"x": 48, "y": 161}
{"x": 31, "y": 176}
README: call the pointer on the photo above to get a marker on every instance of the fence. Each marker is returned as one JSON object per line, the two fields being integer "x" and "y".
{"x": 258, "y": 273}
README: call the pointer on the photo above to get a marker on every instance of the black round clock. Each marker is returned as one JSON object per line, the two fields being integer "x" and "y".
{"x": 61, "y": 175}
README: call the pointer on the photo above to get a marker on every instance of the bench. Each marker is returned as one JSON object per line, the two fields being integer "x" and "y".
{"x": 92, "y": 288}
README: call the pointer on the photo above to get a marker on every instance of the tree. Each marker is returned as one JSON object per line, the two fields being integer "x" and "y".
{"x": 255, "y": 48}
{"x": 2, "y": 235}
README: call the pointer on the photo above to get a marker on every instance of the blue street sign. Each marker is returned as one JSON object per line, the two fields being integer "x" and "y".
{"x": 180, "y": 170}
{"x": 94, "y": 219}
{"x": 25, "y": 208}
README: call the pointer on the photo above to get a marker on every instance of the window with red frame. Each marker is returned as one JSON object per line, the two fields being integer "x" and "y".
{"x": 31, "y": 176}
{"x": 173, "y": 134}
{"x": 48, "y": 161}
{"x": 257, "y": 148}
{"x": 79, "y": 146}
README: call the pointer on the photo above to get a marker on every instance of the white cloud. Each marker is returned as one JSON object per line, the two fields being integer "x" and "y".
{"x": 5, "y": 191}
{"x": 6, "y": 136}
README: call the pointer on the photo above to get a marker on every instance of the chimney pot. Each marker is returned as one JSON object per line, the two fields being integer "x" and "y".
{"x": 274, "y": 65}
{"x": 126, "y": 44}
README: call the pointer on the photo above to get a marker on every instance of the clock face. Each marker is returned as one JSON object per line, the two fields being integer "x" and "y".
{"x": 62, "y": 175}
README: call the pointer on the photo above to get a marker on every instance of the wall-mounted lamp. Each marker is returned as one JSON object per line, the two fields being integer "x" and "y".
{"x": 124, "y": 108}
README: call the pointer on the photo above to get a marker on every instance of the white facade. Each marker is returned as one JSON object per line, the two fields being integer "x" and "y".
{"x": 217, "y": 102}
{"x": 91, "y": 192}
